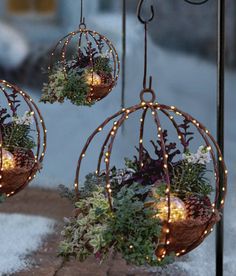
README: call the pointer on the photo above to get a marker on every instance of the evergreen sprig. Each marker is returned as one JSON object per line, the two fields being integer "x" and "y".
{"x": 102, "y": 65}
{"x": 76, "y": 89}
{"x": 17, "y": 136}
{"x": 189, "y": 178}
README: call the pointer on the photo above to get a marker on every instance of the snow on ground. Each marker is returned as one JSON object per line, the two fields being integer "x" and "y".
{"x": 184, "y": 81}
{"x": 20, "y": 235}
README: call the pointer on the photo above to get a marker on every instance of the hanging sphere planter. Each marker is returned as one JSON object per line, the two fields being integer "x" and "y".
{"x": 21, "y": 154}
{"x": 84, "y": 68}
{"x": 187, "y": 210}
{"x": 163, "y": 202}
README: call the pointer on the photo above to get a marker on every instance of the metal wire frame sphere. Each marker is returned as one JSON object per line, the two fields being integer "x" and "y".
{"x": 171, "y": 113}
{"x": 90, "y": 39}
{"x": 8, "y": 89}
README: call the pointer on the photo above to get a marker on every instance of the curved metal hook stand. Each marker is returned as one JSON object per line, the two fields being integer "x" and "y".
{"x": 143, "y": 21}
{"x": 196, "y": 3}
{"x": 82, "y": 18}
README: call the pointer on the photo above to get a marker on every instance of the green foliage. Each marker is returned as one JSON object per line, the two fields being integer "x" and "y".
{"x": 2, "y": 198}
{"x": 53, "y": 91}
{"x": 76, "y": 89}
{"x": 189, "y": 178}
{"x": 102, "y": 64}
{"x": 161, "y": 190}
{"x": 131, "y": 164}
{"x": 17, "y": 136}
{"x": 65, "y": 192}
{"x": 91, "y": 183}
{"x": 134, "y": 227}
{"x": 84, "y": 235}
{"x": 130, "y": 229}
{"x": 60, "y": 87}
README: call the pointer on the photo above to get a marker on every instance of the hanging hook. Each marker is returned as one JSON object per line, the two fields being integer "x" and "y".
{"x": 143, "y": 21}
{"x": 82, "y": 18}
{"x": 146, "y": 22}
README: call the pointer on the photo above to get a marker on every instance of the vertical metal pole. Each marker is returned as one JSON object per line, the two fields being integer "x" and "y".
{"x": 123, "y": 58}
{"x": 123, "y": 53}
{"x": 220, "y": 127}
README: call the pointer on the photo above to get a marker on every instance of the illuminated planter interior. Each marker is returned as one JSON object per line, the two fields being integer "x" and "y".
{"x": 89, "y": 54}
{"x": 177, "y": 209}
{"x": 19, "y": 114}
{"x": 180, "y": 234}
{"x": 7, "y": 160}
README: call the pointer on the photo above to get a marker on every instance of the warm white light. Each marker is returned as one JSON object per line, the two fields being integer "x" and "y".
{"x": 7, "y": 160}
{"x": 93, "y": 79}
{"x": 177, "y": 209}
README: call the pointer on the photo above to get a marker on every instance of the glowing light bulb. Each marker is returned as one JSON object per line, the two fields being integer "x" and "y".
{"x": 93, "y": 79}
{"x": 7, "y": 160}
{"x": 177, "y": 209}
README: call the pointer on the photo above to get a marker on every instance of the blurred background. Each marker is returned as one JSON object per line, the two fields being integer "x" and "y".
{"x": 182, "y": 60}
{"x": 39, "y": 23}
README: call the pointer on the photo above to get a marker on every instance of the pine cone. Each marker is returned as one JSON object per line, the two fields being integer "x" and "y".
{"x": 198, "y": 207}
{"x": 105, "y": 78}
{"x": 24, "y": 158}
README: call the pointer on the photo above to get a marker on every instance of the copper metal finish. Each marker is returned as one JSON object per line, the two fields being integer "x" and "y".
{"x": 16, "y": 180}
{"x": 171, "y": 239}
{"x": 173, "y": 114}
{"x": 77, "y": 41}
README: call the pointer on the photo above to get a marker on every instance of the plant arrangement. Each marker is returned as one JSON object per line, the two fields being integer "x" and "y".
{"x": 22, "y": 146}
{"x": 155, "y": 207}
{"x": 17, "y": 141}
{"x": 130, "y": 230}
{"x": 134, "y": 227}
{"x": 17, "y": 145}
{"x": 82, "y": 80}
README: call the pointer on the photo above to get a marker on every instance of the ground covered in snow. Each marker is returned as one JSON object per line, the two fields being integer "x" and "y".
{"x": 20, "y": 235}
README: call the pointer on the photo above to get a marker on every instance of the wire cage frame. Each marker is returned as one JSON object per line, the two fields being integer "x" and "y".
{"x": 16, "y": 180}
{"x": 169, "y": 244}
{"x": 83, "y": 39}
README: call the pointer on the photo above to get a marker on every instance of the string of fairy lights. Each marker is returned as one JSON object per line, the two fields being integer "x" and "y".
{"x": 168, "y": 210}
{"x": 91, "y": 39}
{"x": 106, "y": 152}
{"x": 6, "y": 88}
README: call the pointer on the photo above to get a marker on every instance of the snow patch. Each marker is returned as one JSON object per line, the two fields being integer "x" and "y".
{"x": 20, "y": 235}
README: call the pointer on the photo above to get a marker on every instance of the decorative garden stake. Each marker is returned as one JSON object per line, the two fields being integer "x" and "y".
{"x": 21, "y": 155}
{"x": 84, "y": 67}
{"x": 172, "y": 197}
